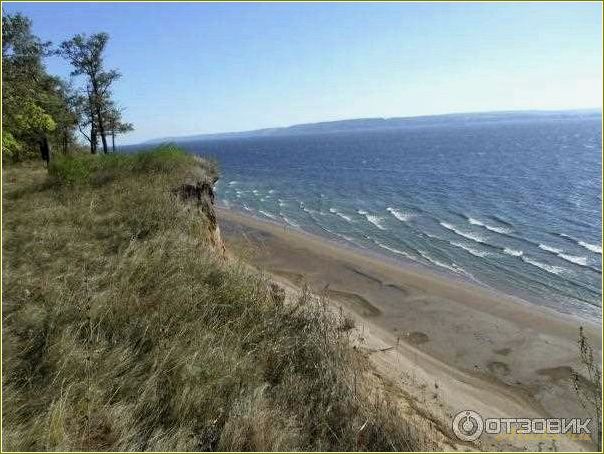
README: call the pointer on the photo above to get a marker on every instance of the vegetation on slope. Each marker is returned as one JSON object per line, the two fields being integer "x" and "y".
{"x": 125, "y": 329}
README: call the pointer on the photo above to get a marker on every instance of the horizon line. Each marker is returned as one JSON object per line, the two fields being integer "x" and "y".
{"x": 574, "y": 109}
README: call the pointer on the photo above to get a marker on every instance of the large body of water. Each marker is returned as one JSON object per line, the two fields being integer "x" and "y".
{"x": 513, "y": 205}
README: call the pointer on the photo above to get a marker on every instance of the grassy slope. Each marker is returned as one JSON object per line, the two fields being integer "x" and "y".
{"x": 124, "y": 329}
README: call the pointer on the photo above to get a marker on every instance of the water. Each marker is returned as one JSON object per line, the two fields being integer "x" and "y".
{"x": 513, "y": 205}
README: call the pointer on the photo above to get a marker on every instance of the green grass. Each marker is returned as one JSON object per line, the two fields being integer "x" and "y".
{"x": 124, "y": 328}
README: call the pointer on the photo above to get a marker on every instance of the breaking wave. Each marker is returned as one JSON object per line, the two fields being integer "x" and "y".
{"x": 513, "y": 252}
{"x": 342, "y": 215}
{"x": 544, "y": 266}
{"x": 468, "y": 235}
{"x": 400, "y": 215}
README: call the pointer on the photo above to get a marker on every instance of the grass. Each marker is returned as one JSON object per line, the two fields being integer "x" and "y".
{"x": 125, "y": 328}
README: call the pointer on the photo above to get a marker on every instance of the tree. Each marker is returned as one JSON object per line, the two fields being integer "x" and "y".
{"x": 116, "y": 125}
{"x": 86, "y": 56}
{"x": 35, "y": 107}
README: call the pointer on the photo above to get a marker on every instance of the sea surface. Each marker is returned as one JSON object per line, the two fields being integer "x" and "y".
{"x": 512, "y": 205}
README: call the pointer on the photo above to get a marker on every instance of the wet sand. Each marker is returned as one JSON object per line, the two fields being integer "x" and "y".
{"x": 455, "y": 345}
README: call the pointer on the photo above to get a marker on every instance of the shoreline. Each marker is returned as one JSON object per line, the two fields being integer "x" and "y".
{"x": 483, "y": 350}
{"x": 411, "y": 267}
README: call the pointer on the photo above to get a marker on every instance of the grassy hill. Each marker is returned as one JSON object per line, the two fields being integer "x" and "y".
{"x": 127, "y": 326}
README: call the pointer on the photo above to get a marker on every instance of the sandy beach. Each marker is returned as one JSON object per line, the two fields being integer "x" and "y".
{"x": 446, "y": 344}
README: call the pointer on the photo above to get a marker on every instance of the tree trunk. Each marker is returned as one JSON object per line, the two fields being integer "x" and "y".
{"x": 113, "y": 141}
{"x": 98, "y": 100}
{"x": 45, "y": 149}
{"x": 92, "y": 139}
{"x": 102, "y": 130}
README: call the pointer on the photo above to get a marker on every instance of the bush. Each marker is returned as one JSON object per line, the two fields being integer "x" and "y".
{"x": 100, "y": 169}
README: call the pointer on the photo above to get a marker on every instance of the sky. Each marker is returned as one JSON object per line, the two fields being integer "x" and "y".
{"x": 192, "y": 68}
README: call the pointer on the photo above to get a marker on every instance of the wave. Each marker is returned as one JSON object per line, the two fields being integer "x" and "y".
{"x": 544, "y": 266}
{"x": 547, "y": 248}
{"x": 453, "y": 267}
{"x": 472, "y": 251}
{"x": 574, "y": 259}
{"x": 290, "y": 222}
{"x": 375, "y": 220}
{"x": 513, "y": 252}
{"x": 268, "y": 215}
{"x": 391, "y": 249}
{"x": 233, "y": 183}
{"x": 502, "y": 230}
{"x": 591, "y": 247}
{"x": 342, "y": 215}
{"x": 400, "y": 215}
{"x": 467, "y": 235}
{"x": 597, "y": 248}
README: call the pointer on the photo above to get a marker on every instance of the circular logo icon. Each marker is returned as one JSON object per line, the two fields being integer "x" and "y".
{"x": 468, "y": 425}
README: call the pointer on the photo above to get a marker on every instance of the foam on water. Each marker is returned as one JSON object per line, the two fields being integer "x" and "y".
{"x": 453, "y": 267}
{"x": 268, "y": 215}
{"x": 391, "y": 249}
{"x": 472, "y": 251}
{"x": 574, "y": 259}
{"x": 544, "y": 266}
{"x": 290, "y": 222}
{"x": 513, "y": 252}
{"x": 468, "y": 235}
{"x": 502, "y": 230}
{"x": 375, "y": 220}
{"x": 547, "y": 248}
{"x": 339, "y": 213}
{"x": 400, "y": 215}
{"x": 591, "y": 247}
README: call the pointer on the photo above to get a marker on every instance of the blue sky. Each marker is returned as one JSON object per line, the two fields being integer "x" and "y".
{"x": 193, "y": 68}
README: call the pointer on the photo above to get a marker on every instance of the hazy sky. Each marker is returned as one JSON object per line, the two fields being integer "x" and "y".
{"x": 193, "y": 68}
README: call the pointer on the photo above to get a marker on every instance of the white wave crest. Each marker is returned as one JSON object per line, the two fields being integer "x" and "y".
{"x": 396, "y": 251}
{"x": 375, "y": 220}
{"x": 544, "y": 266}
{"x": 268, "y": 215}
{"x": 574, "y": 259}
{"x": 497, "y": 229}
{"x": 512, "y": 252}
{"x": 400, "y": 215}
{"x": 489, "y": 227}
{"x": 290, "y": 222}
{"x": 591, "y": 247}
{"x": 453, "y": 267}
{"x": 342, "y": 215}
{"x": 468, "y": 235}
{"x": 472, "y": 251}
{"x": 547, "y": 248}
{"x": 475, "y": 221}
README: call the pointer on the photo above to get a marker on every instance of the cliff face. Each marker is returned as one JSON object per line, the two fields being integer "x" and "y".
{"x": 198, "y": 189}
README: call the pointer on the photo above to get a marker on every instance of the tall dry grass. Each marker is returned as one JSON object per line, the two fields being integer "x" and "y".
{"x": 124, "y": 330}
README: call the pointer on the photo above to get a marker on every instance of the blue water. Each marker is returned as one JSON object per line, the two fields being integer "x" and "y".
{"x": 513, "y": 205}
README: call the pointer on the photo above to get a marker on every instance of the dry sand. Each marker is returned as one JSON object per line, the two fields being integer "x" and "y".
{"x": 445, "y": 344}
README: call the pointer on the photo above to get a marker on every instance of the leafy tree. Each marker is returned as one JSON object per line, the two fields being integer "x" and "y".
{"x": 86, "y": 56}
{"x": 116, "y": 125}
{"x": 35, "y": 105}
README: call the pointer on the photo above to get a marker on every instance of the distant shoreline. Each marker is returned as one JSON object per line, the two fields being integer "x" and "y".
{"x": 379, "y": 124}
